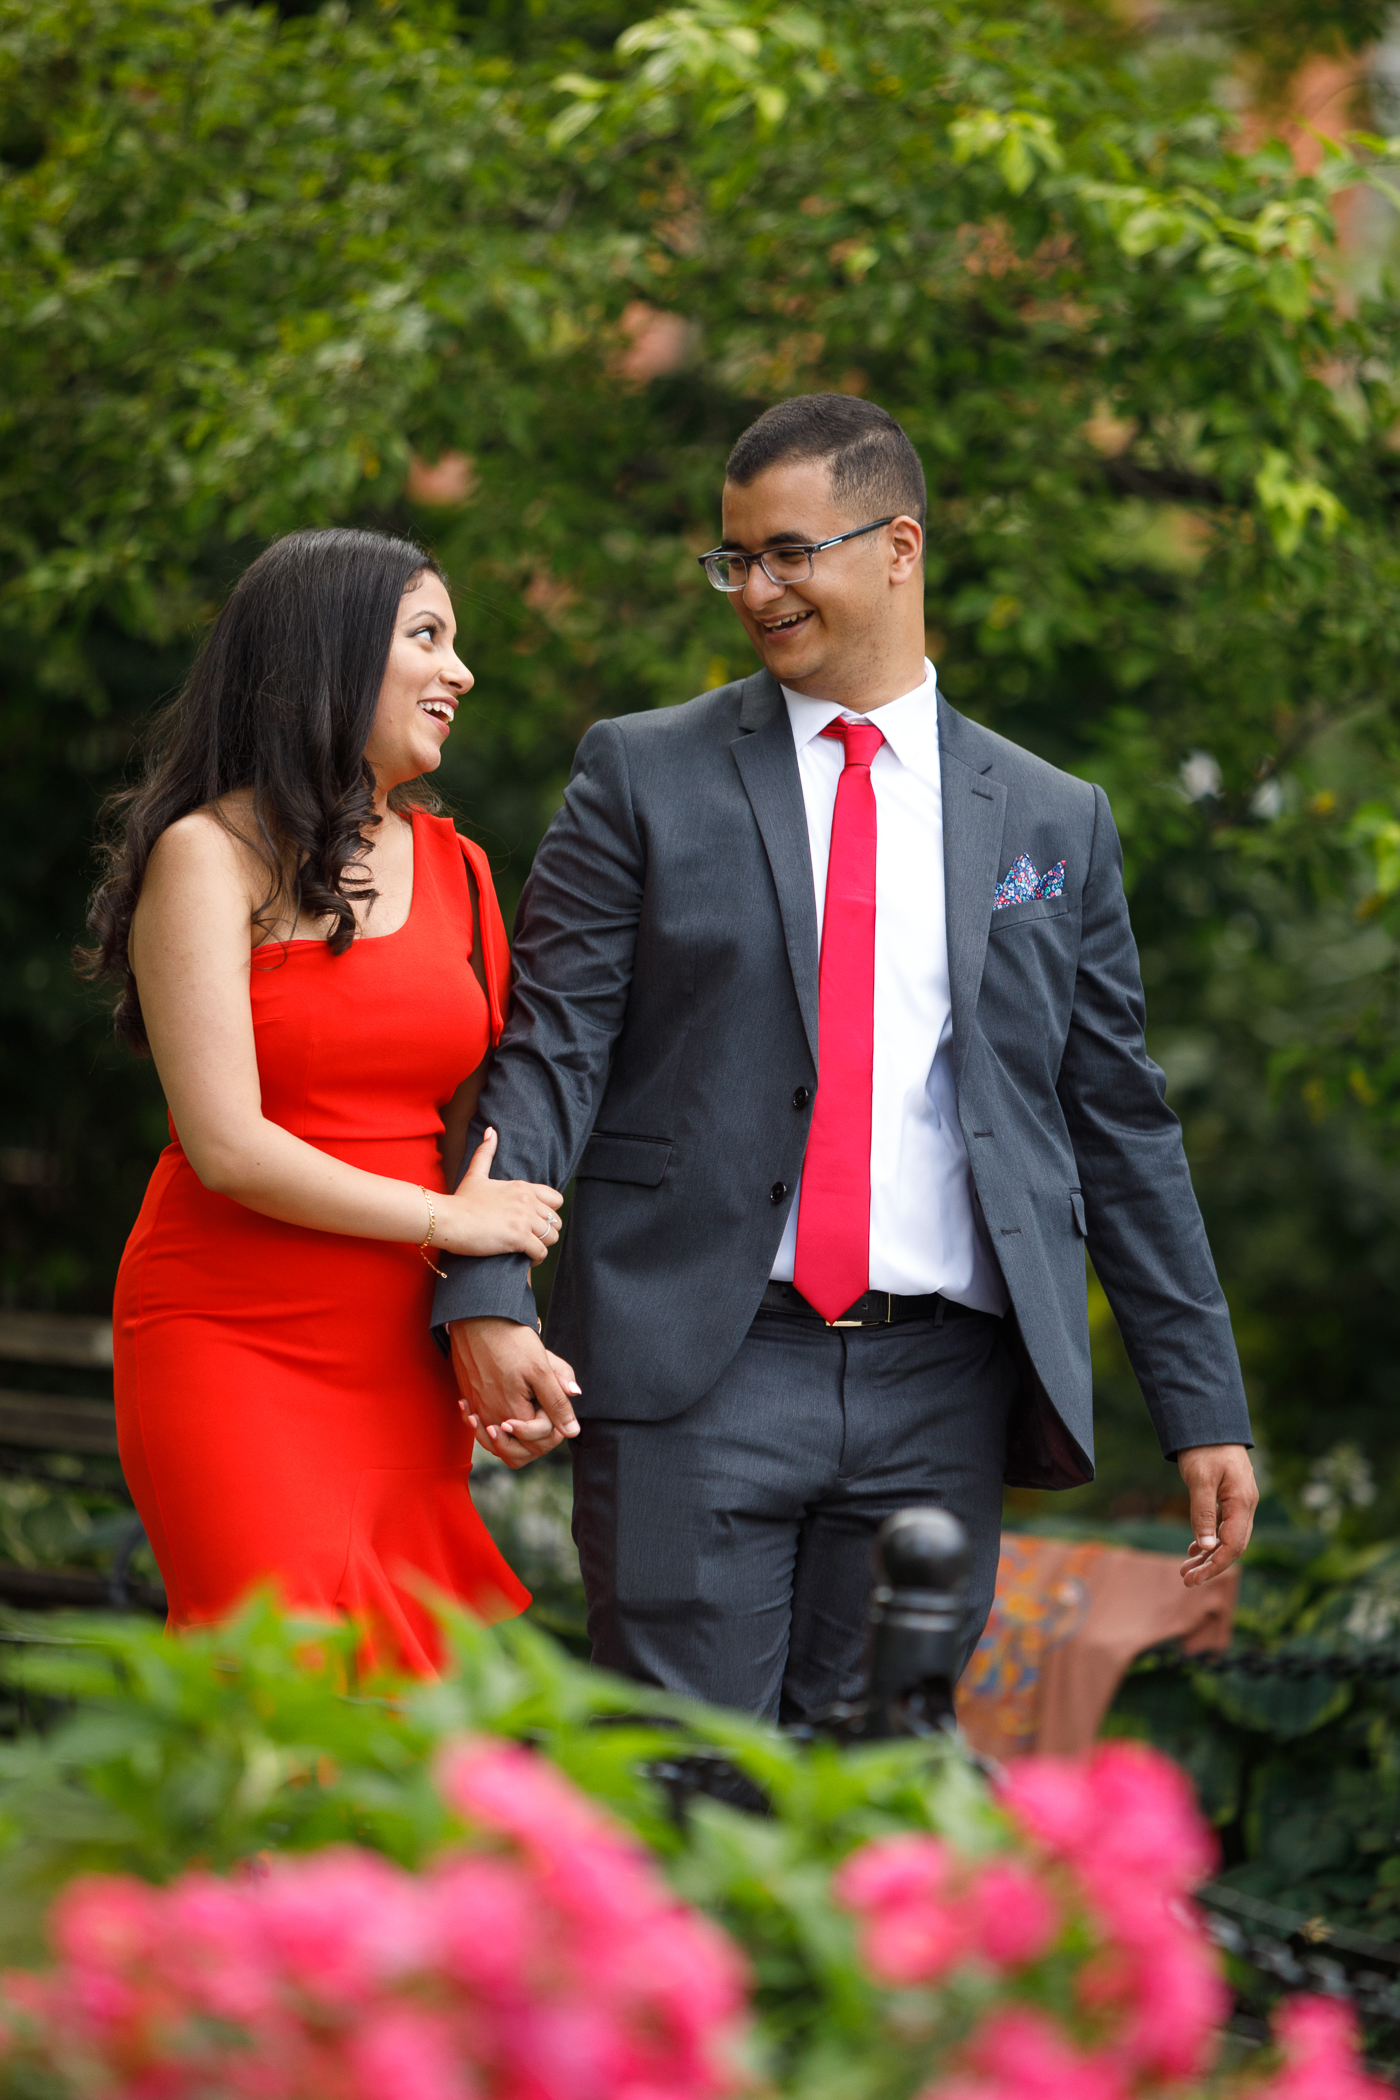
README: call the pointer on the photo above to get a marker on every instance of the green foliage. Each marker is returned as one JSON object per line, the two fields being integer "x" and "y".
{"x": 529, "y": 1514}
{"x": 251, "y": 261}
{"x": 1301, "y": 1774}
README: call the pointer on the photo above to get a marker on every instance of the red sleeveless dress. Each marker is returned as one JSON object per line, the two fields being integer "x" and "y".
{"x": 283, "y": 1413}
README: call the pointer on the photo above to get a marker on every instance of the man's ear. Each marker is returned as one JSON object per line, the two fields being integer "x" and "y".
{"x": 907, "y": 545}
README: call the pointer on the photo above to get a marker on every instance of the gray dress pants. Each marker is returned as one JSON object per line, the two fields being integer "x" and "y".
{"x": 726, "y": 1552}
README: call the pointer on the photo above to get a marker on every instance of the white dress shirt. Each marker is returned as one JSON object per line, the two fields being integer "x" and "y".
{"x": 926, "y": 1230}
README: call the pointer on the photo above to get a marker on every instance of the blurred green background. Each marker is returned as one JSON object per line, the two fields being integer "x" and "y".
{"x": 511, "y": 278}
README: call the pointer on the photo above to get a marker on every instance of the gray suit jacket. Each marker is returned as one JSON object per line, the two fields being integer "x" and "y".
{"x": 663, "y": 1027}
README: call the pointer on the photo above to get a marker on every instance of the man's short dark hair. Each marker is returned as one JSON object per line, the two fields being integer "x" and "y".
{"x": 873, "y": 465}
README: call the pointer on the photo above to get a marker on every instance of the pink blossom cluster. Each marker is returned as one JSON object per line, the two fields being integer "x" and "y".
{"x": 1125, "y": 1827}
{"x": 1022, "y": 2054}
{"x": 1319, "y": 2056}
{"x": 924, "y": 1910}
{"x": 1110, "y": 1848}
{"x": 545, "y": 1960}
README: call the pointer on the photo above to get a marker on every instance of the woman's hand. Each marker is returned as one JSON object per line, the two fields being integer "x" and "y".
{"x": 497, "y": 1217}
{"x": 517, "y": 1395}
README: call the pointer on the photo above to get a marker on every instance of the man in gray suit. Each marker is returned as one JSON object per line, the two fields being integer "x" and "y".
{"x": 827, "y": 1001}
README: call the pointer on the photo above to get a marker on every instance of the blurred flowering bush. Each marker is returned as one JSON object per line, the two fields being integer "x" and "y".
{"x": 546, "y": 1956}
{"x": 1097, "y": 1981}
{"x": 262, "y": 1885}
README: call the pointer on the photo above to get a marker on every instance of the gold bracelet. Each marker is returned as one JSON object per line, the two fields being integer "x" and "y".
{"x": 432, "y": 1228}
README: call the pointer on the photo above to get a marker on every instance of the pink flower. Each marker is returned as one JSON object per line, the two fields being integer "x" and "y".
{"x": 1177, "y": 2005}
{"x": 105, "y": 1928}
{"x": 1158, "y": 1976}
{"x": 1127, "y": 1813}
{"x": 623, "y": 1980}
{"x": 211, "y": 1950}
{"x": 909, "y": 1933}
{"x": 920, "y": 1916}
{"x": 1150, "y": 1829}
{"x": 1321, "y": 2056}
{"x": 101, "y": 1920}
{"x": 695, "y": 1975}
{"x": 1052, "y": 1800}
{"x": 1013, "y": 1918}
{"x": 402, "y": 2053}
{"x": 1126, "y": 1825}
{"x": 506, "y": 1788}
{"x": 912, "y": 1943}
{"x": 1022, "y": 2054}
{"x": 340, "y": 1923}
{"x": 901, "y": 1869}
{"x": 493, "y": 1933}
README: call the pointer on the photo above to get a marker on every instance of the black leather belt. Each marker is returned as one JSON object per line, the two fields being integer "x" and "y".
{"x": 874, "y": 1309}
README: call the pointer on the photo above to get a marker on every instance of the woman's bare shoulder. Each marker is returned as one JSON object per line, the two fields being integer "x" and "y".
{"x": 211, "y": 846}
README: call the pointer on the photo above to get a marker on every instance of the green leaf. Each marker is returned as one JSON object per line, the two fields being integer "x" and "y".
{"x": 1284, "y": 1707}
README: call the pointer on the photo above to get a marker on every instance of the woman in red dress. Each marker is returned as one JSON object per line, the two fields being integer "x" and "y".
{"x": 317, "y": 963}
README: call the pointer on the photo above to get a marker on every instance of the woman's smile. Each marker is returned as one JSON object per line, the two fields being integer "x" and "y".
{"x": 442, "y": 707}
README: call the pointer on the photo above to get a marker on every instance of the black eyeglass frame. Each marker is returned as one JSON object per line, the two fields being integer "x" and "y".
{"x": 810, "y": 549}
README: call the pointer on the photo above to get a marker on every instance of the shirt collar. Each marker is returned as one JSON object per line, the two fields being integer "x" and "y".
{"x": 909, "y": 724}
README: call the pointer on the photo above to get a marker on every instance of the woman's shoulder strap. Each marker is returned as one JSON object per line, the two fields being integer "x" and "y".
{"x": 495, "y": 949}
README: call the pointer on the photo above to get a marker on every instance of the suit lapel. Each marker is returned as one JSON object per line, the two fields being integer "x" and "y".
{"x": 767, "y": 762}
{"x": 974, "y": 816}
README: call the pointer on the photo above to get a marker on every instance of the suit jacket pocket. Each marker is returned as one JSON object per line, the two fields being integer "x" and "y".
{"x": 1011, "y": 915}
{"x": 609, "y": 1156}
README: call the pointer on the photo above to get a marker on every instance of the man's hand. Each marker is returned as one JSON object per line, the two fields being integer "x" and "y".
{"x": 515, "y": 1394}
{"x": 1224, "y": 1497}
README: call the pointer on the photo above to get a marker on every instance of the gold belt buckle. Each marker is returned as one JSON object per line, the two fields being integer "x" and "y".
{"x": 888, "y": 1319}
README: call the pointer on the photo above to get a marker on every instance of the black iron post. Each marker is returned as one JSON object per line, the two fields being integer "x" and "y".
{"x": 921, "y": 1562}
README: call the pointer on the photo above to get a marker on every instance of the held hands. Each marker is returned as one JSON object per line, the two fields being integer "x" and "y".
{"x": 516, "y": 1394}
{"x": 497, "y": 1217}
{"x": 1224, "y": 1497}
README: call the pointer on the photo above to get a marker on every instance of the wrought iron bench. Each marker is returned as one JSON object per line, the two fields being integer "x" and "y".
{"x": 36, "y": 1427}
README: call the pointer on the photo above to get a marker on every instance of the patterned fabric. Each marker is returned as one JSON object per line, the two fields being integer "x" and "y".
{"x": 1068, "y": 1619}
{"x": 1041, "y": 1601}
{"x": 1020, "y": 884}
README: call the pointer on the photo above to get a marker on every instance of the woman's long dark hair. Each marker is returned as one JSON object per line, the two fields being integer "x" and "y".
{"x": 280, "y": 701}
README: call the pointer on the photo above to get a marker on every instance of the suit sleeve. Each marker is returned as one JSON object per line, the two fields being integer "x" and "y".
{"x": 575, "y": 945}
{"x": 1147, "y": 1238}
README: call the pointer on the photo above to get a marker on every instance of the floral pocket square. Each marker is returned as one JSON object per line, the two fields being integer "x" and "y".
{"x": 1021, "y": 885}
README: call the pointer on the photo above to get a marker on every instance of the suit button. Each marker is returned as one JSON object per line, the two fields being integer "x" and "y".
{"x": 777, "y": 1192}
{"x": 801, "y": 1096}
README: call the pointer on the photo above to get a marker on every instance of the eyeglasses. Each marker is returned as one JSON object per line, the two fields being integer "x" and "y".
{"x": 730, "y": 572}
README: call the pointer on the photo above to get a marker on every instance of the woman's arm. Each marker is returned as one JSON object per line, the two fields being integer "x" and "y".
{"x": 191, "y": 947}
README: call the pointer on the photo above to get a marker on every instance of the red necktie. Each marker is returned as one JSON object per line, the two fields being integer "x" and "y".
{"x": 832, "y": 1268}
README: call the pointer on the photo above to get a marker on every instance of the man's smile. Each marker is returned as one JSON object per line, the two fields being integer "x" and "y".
{"x": 786, "y": 622}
